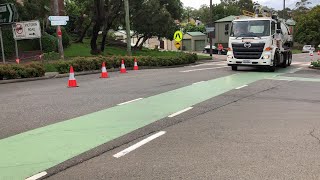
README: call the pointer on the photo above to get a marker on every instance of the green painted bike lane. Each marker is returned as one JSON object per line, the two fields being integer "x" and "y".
{"x": 31, "y": 152}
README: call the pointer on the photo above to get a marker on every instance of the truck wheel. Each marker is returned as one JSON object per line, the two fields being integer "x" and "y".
{"x": 234, "y": 68}
{"x": 289, "y": 58}
{"x": 285, "y": 60}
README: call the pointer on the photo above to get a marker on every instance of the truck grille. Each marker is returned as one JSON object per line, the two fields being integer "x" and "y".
{"x": 242, "y": 52}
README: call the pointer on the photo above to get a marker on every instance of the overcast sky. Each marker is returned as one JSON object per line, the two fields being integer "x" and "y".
{"x": 277, "y": 4}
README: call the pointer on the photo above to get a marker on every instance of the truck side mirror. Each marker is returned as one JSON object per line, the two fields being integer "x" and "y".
{"x": 278, "y": 31}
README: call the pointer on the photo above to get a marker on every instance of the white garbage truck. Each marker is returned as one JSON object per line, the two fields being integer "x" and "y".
{"x": 260, "y": 40}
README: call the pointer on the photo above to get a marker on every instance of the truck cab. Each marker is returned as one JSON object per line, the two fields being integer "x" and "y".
{"x": 259, "y": 42}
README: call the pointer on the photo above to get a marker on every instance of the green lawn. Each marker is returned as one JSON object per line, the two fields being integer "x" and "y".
{"x": 296, "y": 51}
{"x": 83, "y": 49}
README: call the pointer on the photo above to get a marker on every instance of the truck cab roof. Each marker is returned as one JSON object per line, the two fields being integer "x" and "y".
{"x": 253, "y": 19}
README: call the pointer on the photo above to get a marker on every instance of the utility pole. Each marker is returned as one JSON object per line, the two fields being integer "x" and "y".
{"x": 211, "y": 24}
{"x": 58, "y": 30}
{"x": 126, "y": 7}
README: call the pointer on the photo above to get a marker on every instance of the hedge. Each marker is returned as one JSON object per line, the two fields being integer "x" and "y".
{"x": 15, "y": 71}
{"x": 94, "y": 63}
{"x": 315, "y": 63}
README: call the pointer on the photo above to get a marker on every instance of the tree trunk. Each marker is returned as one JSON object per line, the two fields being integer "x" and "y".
{"x": 145, "y": 38}
{"x": 137, "y": 43}
{"x": 95, "y": 33}
{"x": 104, "y": 38}
{"x": 84, "y": 32}
{"x": 99, "y": 19}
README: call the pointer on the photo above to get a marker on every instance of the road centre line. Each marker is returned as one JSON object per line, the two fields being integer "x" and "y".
{"x": 37, "y": 176}
{"x": 241, "y": 87}
{"x": 129, "y": 101}
{"x": 203, "y": 69}
{"x": 180, "y": 112}
{"x": 139, "y": 144}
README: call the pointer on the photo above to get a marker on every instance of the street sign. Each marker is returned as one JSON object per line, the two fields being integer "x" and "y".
{"x": 26, "y": 30}
{"x": 58, "y": 23}
{"x": 8, "y": 13}
{"x": 178, "y": 36}
{"x": 177, "y": 44}
{"x": 209, "y": 29}
{"x": 58, "y": 18}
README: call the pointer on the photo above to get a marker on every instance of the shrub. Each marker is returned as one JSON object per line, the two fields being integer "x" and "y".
{"x": 21, "y": 71}
{"x": 65, "y": 36}
{"x": 315, "y": 63}
{"x": 8, "y": 42}
{"x": 49, "y": 43}
{"x": 51, "y": 56}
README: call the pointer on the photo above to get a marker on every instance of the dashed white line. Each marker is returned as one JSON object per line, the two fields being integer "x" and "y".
{"x": 180, "y": 112}
{"x": 241, "y": 87}
{"x": 198, "y": 82}
{"x": 130, "y": 101}
{"x": 203, "y": 69}
{"x": 139, "y": 144}
{"x": 37, "y": 176}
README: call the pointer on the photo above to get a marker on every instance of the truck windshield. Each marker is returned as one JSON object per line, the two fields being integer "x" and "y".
{"x": 250, "y": 28}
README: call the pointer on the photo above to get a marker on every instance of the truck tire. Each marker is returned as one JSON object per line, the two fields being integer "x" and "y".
{"x": 234, "y": 68}
{"x": 272, "y": 69}
{"x": 289, "y": 58}
{"x": 285, "y": 62}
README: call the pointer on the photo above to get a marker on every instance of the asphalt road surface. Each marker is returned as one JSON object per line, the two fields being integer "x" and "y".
{"x": 196, "y": 122}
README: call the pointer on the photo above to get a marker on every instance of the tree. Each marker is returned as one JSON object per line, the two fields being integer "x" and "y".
{"x": 246, "y": 5}
{"x": 154, "y": 18}
{"x": 308, "y": 27}
{"x": 98, "y": 19}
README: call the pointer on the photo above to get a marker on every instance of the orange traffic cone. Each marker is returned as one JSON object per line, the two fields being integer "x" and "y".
{"x": 72, "y": 81}
{"x": 104, "y": 73}
{"x": 311, "y": 53}
{"x": 318, "y": 52}
{"x": 123, "y": 67}
{"x": 18, "y": 61}
{"x": 135, "y": 67}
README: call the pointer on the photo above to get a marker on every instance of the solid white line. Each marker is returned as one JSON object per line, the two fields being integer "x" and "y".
{"x": 180, "y": 112}
{"x": 130, "y": 101}
{"x": 139, "y": 144}
{"x": 37, "y": 176}
{"x": 198, "y": 82}
{"x": 203, "y": 69}
{"x": 241, "y": 87}
{"x": 210, "y": 64}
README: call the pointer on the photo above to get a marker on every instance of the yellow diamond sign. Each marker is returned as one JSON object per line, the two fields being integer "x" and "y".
{"x": 178, "y": 36}
{"x": 177, "y": 44}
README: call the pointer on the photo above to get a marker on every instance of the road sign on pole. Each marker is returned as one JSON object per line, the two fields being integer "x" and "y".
{"x": 58, "y": 18}
{"x": 209, "y": 29}
{"x": 178, "y": 36}
{"x": 58, "y": 23}
{"x": 26, "y": 30}
{"x": 8, "y": 13}
{"x": 177, "y": 44}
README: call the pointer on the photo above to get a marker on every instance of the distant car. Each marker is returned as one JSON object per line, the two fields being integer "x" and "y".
{"x": 307, "y": 48}
{"x": 214, "y": 50}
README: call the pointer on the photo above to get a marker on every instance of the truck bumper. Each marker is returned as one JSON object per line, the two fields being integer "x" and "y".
{"x": 248, "y": 62}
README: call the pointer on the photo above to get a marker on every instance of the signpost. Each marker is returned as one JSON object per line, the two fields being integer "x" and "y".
{"x": 178, "y": 36}
{"x": 59, "y": 21}
{"x": 26, "y": 30}
{"x": 8, "y": 14}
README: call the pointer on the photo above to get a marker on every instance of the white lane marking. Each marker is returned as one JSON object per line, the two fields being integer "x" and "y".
{"x": 139, "y": 144}
{"x": 241, "y": 87}
{"x": 198, "y": 82}
{"x": 37, "y": 176}
{"x": 210, "y": 64}
{"x": 180, "y": 112}
{"x": 130, "y": 101}
{"x": 203, "y": 69}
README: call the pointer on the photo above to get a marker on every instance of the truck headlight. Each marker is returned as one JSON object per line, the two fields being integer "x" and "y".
{"x": 266, "y": 56}
{"x": 230, "y": 56}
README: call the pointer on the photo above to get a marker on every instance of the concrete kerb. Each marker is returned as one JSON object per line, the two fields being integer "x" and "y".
{"x": 56, "y": 75}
